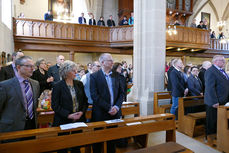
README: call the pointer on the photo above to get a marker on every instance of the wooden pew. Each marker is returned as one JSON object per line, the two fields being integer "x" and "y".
{"x": 169, "y": 147}
{"x": 47, "y": 139}
{"x": 187, "y": 123}
{"x": 158, "y": 109}
{"x": 128, "y": 108}
{"x": 223, "y": 129}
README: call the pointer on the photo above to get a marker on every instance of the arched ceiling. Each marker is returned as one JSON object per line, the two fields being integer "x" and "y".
{"x": 200, "y": 4}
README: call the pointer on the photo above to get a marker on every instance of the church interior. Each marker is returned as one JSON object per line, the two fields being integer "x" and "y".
{"x": 162, "y": 30}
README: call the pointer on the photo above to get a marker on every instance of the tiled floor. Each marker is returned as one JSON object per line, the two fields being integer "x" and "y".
{"x": 188, "y": 142}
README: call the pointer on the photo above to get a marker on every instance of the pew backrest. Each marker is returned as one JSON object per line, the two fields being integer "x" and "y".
{"x": 161, "y": 96}
{"x": 50, "y": 139}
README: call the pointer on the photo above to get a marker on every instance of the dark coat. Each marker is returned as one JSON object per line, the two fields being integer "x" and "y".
{"x": 201, "y": 76}
{"x": 178, "y": 83}
{"x": 53, "y": 71}
{"x": 110, "y": 23}
{"x": 101, "y": 96}
{"x": 80, "y": 20}
{"x": 216, "y": 87}
{"x": 6, "y": 73}
{"x": 194, "y": 86}
{"x": 62, "y": 103}
{"x": 169, "y": 87}
{"x": 92, "y": 22}
{"x": 12, "y": 105}
{"x": 42, "y": 79}
{"x": 101, "y": 23}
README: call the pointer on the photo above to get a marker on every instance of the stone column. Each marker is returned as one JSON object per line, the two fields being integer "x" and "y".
{"x": 149, "y": 52}
{"x": 71, "y": 55}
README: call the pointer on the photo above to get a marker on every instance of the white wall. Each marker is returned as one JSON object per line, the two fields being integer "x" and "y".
{"x": 6, "y": 36}
{"x": 34, "y": 9}
{"x": 110, "y": 7}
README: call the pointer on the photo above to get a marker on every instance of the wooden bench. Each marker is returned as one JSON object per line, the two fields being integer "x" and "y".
{"x": 128, "y": 108}
{"x": 187, "y": 122}
{"x": 223, "y": 129}
{"x": 48, "y": 139}
{"x": 169, "y": 147}
{"x": 158, "y": 109}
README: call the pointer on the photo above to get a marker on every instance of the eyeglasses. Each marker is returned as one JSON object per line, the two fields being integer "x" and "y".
{"x": 29, "y": 66}
{"x": 109, "y": 60}
{"x": 98, "y": 65}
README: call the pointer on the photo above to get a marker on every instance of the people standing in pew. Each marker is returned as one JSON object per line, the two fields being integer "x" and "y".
{"x": 178, "y": 85}
{"x": 194, "y": 84}
{"x": 19, "y": 98}
{"x": 107, "y": 95}
{"x": 53, "y": 71}
{"x": 10, "y": 71}
{"x": 41, "y": 75}
{"x": 205, "y": 66}
{"x": 86, "y": 81}
{"x": 69, "y": 101}
{"x": 216, "y": 93}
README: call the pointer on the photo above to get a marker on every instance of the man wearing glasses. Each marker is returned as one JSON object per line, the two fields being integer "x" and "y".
{"x": 18, "y": 98}
{"x": 107, "y": 95}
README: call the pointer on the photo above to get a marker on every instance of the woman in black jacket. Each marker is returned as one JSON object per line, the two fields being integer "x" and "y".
{"x": 69, "y": 101}
{"x": 41, "y": 75}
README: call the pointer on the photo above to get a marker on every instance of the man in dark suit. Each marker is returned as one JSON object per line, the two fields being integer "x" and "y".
{"x": 53, "y": 71}
{"x": 107, "y": 95}
{"x": 81, "y": 19}
{"x": 10, "y": 71}
{"x": 18, "y": 98}
{"x": 216, "y": 92}
{"x": 194, "y": 84}
{"x": 205, "y": 66}
{"x": 110, "y": 22}
{"x": 178, "y": 84}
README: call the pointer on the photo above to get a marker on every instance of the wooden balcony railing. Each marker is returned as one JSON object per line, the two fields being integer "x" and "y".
{"x": 216, "y": 45}
{"x": 189, "y": 38}
{"x": 29, "y": 33}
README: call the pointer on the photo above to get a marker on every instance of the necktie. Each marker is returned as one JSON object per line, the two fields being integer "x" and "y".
{"x": 29, "y": 99}
{"x": 224, "y": 73}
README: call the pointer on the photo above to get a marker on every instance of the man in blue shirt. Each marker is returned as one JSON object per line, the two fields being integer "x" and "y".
{"x": 107, "y": 95}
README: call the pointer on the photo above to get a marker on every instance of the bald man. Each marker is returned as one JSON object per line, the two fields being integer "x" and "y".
{"x": 53, "y": 71}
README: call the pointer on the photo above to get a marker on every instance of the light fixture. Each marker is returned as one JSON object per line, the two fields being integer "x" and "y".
{"x": 178, "y": 49}
{"x": 172, "y": 30}
{"x": 221, "y": 24}
{"x": 192, "y": 50}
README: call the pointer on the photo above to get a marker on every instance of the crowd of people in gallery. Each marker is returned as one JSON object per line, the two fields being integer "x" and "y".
{"x": 92, "y": 21}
